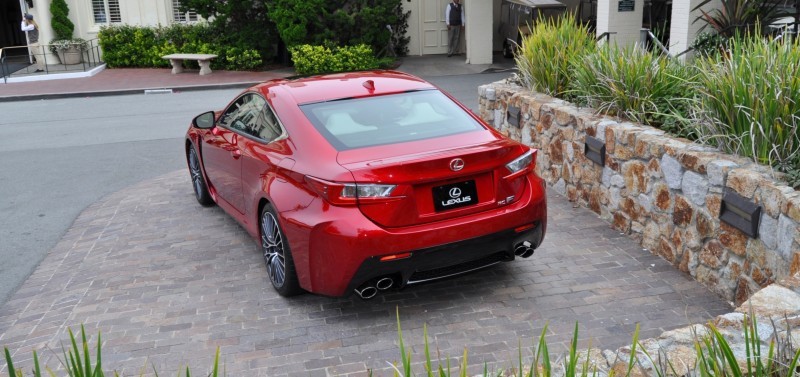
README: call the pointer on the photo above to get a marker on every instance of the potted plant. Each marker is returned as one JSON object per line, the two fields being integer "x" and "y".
{"x": 68, "y": 49}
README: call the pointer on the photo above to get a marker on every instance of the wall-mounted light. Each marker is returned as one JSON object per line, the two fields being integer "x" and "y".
{"x": 513, "y": 116}
{"x": 740, "y": 213}
{"x": 595, "y": 150}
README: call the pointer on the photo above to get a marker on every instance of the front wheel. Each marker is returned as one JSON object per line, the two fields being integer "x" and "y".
{"x": 277, "y": 255}
{"x": 198, "y": 182}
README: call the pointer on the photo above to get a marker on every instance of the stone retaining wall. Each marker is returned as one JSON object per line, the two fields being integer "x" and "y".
{"x": 775, "y": 310}
{"x": 664, "y": 191}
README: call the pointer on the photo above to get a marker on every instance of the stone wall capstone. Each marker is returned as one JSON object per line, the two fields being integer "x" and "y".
{"x": 665, "y": 192}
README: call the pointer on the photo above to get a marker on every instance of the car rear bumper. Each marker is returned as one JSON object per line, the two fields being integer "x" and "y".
{"x": 339, "y": 249}
{"x": 445, "y": 261}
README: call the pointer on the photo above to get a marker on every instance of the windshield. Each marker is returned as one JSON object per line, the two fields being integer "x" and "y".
{"x": 389, "y": 119}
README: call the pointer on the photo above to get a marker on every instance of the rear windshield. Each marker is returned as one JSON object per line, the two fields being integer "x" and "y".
{"x": 389, "y": 119}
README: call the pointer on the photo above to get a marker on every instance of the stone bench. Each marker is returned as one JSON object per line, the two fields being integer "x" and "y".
{"x": 204, "y": 60}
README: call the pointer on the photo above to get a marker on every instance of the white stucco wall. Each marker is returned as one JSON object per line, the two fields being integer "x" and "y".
{"x": 146, "y": 12}
{"x": 683, "y": 29}
{"x": 627, "y": 25}
{"x": 412, "y": 31}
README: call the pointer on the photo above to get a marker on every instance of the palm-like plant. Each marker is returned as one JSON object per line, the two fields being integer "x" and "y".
{"x": 740, "y": 17}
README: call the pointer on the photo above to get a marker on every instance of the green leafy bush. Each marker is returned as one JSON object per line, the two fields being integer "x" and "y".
{"x": 341, "y": 23}
{"x": 545, "y": 57}
{"x": 709, "y": 45}
{"x": 137, "y": 46}
{"x": 750, "y": 101}
{"x": 323, "y": 59}
{"x": 640, "y": 85}
{"x": 243, "y": 24}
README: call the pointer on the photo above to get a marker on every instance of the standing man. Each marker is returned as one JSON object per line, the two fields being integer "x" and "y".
{"x": 454, "y": 18}
{"x": 32, "y": 29}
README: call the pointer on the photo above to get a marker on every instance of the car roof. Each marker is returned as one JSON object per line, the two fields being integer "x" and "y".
{"x": 538, "y": 3}
{"x": 336, "y": 86}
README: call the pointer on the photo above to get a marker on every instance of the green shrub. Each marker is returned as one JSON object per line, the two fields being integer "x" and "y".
{"x": 750, "y": 100}
{"x": 640, "y": 85}
{"x": 243, "y": 24}
{"x": 136, "y": 46}
{"x": 709, "y": 45}
{"x": 323, "y": 59}
{"x": 62, "y": 25}
{"x": 342, "y": 23}
{"x": 546, "y": 54}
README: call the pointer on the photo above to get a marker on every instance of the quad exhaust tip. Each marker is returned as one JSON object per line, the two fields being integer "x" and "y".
{"x": 371, "y": 288}
{"x": 523, "y": 249}
{"x": 384, "y": 284}
{"x": 366, "y": 292}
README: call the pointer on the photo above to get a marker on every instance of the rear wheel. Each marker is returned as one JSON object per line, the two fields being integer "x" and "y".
{"x": 198, "y": 182}
{"x": 277, "y": 256}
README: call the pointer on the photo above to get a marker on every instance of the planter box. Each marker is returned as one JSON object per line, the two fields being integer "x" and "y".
{"x": 665, "y": 192}
{"x": 72, "y": 55}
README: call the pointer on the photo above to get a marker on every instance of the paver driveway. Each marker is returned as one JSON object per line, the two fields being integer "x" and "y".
{"x": 167, "y": 282}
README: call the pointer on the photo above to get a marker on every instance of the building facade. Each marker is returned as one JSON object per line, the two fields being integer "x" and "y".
{"x": 622, "y": 19}
{"x": 88, "y": 16}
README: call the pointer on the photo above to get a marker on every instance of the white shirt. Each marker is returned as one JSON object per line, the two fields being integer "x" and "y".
{"x": 447, "y": 15}
{"x": 26, "y": 26}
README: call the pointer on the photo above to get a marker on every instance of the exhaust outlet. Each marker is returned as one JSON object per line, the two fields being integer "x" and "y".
{"x": 367, "y": 292}
{"x": 523, "y": 249}
{"x": 384, "y": 284}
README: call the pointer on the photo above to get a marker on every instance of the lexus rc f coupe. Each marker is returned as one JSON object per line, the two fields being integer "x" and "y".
{"x": 366, "y": 181}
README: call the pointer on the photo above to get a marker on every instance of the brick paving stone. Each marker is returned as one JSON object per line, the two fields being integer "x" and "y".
{"x": 167, "y": 282}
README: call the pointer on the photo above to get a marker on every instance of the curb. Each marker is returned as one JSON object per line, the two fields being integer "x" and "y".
{"x": 118, "y": 92}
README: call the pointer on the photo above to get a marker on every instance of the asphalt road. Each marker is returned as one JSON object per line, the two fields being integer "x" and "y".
{"x": 59, "y": 156}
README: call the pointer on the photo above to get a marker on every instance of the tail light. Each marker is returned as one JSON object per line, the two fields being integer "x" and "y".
{"x": 349, "y": 194}
{"x": 522, "y": 164}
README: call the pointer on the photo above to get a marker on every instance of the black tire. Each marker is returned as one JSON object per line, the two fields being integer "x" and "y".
{"x": 507, "y": 52}
{"x": 277, "y": 255}
{"x": 198, "y": 181}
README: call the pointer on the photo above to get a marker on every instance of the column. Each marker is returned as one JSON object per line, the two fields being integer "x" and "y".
{"x": 621, "y": 16}
{"x": 479, "y": 30}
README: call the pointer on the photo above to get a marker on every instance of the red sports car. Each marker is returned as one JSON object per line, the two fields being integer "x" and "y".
{"x": 361, "y": 182}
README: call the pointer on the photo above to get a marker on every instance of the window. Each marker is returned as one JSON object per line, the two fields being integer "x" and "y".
{"x": 178, "y": 16}
{"x": 388, "y": 119}
{"x": 106, "y": 11}
{"x": 251, "y": 115}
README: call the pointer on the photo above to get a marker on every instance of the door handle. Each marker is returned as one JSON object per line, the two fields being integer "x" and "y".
{"x": 236, "y": 153}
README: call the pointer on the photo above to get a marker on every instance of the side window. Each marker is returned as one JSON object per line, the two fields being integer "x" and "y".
{"x": 228, "y": 118}
{"x": 270, "y": 129}
{"x": 251, "y": 115}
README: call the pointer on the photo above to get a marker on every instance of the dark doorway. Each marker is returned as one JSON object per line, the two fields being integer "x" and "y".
{"x": 656, "y": 17}
{"x": 10, "y": 18}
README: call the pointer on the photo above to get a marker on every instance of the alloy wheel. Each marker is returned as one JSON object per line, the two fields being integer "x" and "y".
{"x": 274, "y": 253}
{"x": 194, "y": 170}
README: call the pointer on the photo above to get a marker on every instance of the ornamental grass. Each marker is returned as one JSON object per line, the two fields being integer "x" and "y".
{"x": 546, "y": 54}
{"x": 749, "y": 101}
{"x": 741, "y": 96}
{"x": 715, "y": 358}
{"x": 637, "y": 84}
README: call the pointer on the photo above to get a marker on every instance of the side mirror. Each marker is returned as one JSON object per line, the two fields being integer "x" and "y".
{"x": 204, "y": 120}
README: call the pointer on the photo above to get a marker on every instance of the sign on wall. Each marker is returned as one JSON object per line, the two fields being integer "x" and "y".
{"x": 625, "y": 6}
